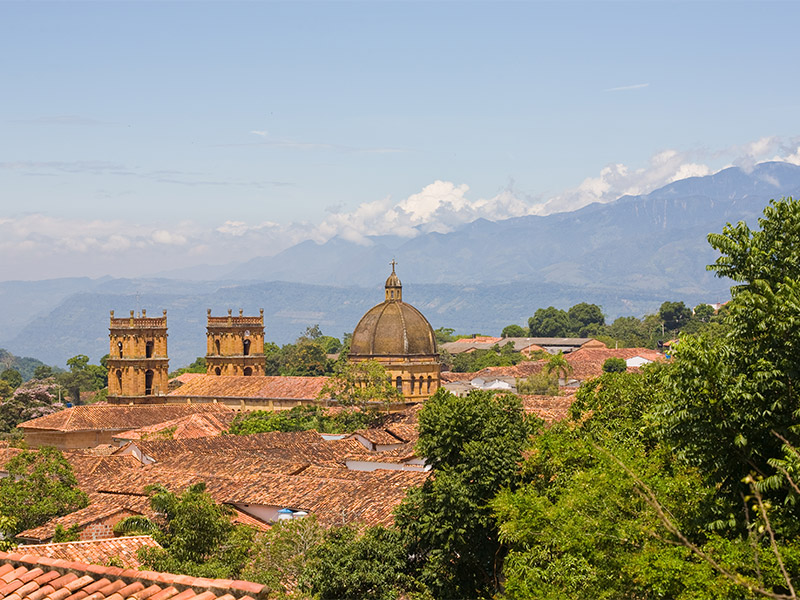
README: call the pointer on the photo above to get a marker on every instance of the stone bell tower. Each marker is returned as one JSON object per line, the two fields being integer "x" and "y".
{"x": 235, "y": 345}
{"x": 138, "y": 365}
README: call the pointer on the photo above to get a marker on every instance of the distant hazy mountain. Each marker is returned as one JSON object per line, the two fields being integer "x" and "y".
{"x": 651, "y": 242}
{"x": 628, "y": 256}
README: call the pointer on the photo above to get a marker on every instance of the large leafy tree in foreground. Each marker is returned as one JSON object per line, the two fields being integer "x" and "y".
{"x": 680, "y": 482}
{"x": 474, "y": 445}
{"x": 732, "y": 403}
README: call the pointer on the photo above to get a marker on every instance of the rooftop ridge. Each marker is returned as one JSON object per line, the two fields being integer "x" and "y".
{"x": 238, "y": 589}
{"x": 127, "y": 537}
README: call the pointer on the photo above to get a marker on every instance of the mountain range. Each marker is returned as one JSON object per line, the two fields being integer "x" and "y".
{"x": 627, "y": 256}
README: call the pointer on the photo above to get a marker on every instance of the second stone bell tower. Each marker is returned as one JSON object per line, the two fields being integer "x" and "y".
{"x": 235, "y": 344}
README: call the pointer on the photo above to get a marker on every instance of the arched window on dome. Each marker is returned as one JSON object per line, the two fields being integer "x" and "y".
{"x": 399, "y": 384}
{"x": 412, "y": 384}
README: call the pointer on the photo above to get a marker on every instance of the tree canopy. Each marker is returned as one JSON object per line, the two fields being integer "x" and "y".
{"x": 41, "y": 485}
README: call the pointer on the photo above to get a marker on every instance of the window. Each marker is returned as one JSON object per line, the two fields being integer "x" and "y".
{"x": 399, "y": 384}
{"x": 119, "y": 347}
{"x": 148, "y": 382}
{"x": 429, "y": 384}
{"x": 148, "y": 349}
{"x": 248, "y": 371}
{"x": 247, "y": 347}
{"x": 412, "y": 384}
{"x": 216, "y": 348}
{"x": 217, "y": 371}
{"x": 119, "y": 381}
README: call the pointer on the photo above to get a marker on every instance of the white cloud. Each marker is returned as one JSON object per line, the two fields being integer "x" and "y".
{"x": 625, "y": 88}
{"x": 162, "y": 236}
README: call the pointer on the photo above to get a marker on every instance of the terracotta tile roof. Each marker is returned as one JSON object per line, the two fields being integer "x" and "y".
{"x": 588, "y": 362}
{"x": 90, "y": 467}
{"x": 242, "y": 518}
{"x": 231, "y": 461}
{"x": 296, "y": 446}
{"x": 548, "y": 408}
{"x": 81, "y": 518}
{"x": 115, "y": 417}
{"x": 96, "y": 552}
{"x": 185, "y": 377}
{"x": 377, "y": 436}
{"x": 266, "y": 387}
{"x": 189, "y": 426}
{"x": 484, "y": 339}
{"x": 101, "y": 450}
{"x": 399, "y": 455}
{"x": 29, "y": 577}
{"x": 369, "y": 499}
{"x": 520, "y": 371}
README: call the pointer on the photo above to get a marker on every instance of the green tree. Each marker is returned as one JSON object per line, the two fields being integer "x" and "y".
{"x": 359, "y": 384}
{"x": 586, "y": 318}
{"x": 306, "y": 358}
{"x": 280, "y": 554}
{"x": 82, "y": 377}
{"x": 703, "y": 312}
{"x": 540, "y": 384}
{"x": 474, "y": 445}
{"x": 615, "y": 364}
{"x": 558, "y": 364}
{"x": 674, "y": 314}
{"x": 514, "y": 331}
{"x": 12, "y": 377}
{"x": 444, "y": 335}
{"x": 197, "y": 535}
{"x": 629, "y": 332}
{"x": 349, "y": 565}
{"x": 301, "y": 418}
{"x": 197, "y": 366}
{"x": 41, "y": 486}
{"x": 43, "y": 372}
{"x": 731, "y": 398}
{"x": 549, "y": 322}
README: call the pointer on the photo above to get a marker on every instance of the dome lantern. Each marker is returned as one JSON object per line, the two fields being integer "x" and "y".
{"x": 394, "y": 289}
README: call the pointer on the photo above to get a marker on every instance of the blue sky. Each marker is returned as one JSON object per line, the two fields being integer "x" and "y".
{"x": 145, "y": 136}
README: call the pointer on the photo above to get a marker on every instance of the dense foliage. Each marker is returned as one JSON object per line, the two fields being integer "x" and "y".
{"x": 680, "y": 481}
{"x": 40, "y": 486}
{"x": 197, "y": 535}
{"x": 30, "y": 400}
{"x": 474, "y": 445}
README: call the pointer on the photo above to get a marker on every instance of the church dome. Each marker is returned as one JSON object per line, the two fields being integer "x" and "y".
{"x": 393, "y": 328}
